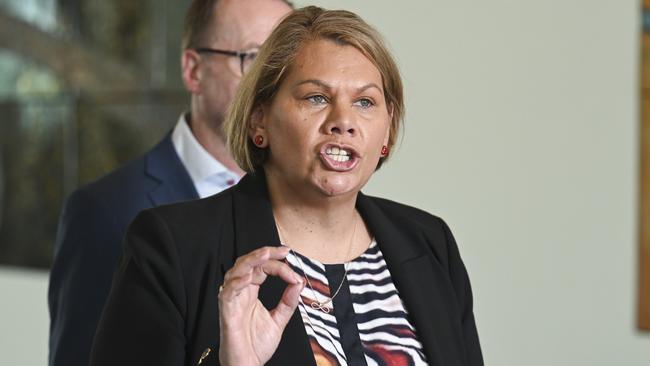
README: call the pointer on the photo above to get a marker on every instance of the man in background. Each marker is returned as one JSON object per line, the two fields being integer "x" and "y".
{"x": 220, "y": 41}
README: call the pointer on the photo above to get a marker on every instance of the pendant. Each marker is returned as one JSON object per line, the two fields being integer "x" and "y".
{"x": 320, "y": 306}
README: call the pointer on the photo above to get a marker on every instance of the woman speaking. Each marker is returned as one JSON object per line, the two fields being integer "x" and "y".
{"x": 294, "y": 265}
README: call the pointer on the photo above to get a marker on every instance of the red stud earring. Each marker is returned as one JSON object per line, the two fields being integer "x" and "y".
{"x": 384, "y": 150}
{"x": 259, "y": 140}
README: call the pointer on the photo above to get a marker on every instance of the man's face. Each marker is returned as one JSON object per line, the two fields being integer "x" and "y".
{"x": 241, "y": 25}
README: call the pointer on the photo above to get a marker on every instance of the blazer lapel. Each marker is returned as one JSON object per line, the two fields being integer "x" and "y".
{"x": 255, "y": 228}
{"x": 423, "y": 286}
{"x": 163, "y": 165}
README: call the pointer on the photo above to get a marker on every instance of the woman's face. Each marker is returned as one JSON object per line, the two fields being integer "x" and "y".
{"x": 327, "y": 122}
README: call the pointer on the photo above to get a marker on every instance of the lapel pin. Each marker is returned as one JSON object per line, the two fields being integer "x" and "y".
{"x": 204, "y": 355}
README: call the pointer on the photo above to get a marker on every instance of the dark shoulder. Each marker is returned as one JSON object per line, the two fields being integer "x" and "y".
{"x": 117, "y": 196}
{"x": 125, "y": 181}
{"x": 409, "y": 215}
{"x": 194, "y": 225}
{"x": 104, "y": 195}
{"x": 196, "y": 213}
{"x": 193, "y": 230}
{"x": 120, "y": 194}
{"x": 419, "y": 226}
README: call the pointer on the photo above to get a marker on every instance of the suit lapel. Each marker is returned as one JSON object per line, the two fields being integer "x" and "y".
{"x": 422, "y": 284}
{"x": 255, "y": 228}
{"x": 163, "y": 165}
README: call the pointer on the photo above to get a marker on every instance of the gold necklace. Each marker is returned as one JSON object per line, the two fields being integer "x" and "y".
{"x": 315, "y": 304}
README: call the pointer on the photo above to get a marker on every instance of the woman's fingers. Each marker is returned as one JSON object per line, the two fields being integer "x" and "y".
{"x": 287, "y": 305}
{"x": 245, "y": 324}
{"x": 234, "y": 286}
{"x": 275, "y": 268}
{"x": 253, "y": 268}
{"x": 246, "y": 263}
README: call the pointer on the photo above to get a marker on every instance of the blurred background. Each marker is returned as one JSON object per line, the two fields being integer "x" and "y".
{"x": 84, "y": 86}
{"x": 522, "y": 132}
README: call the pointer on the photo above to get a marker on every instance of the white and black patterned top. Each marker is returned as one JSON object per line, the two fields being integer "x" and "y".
{"x": 368, "y": 324}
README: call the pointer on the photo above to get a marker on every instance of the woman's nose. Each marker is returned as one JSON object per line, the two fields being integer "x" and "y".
{"x": 341, "y": 121}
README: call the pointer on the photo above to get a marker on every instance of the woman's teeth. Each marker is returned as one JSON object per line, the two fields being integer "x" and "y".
{"x": 338, "y": 154}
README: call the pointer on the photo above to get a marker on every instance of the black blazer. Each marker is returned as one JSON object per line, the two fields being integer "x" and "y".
{"x": 163, "y": 308}
{"x": 89, "y": 242}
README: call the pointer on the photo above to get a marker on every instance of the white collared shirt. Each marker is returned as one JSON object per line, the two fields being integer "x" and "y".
{"x": 208, "y": 174}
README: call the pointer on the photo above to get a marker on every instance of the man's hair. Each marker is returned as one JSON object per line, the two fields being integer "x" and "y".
{"x": 262, "y": 81}
{"x": 198, "y": 20}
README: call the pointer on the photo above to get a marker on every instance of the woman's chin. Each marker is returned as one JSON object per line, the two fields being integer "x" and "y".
{"x": 337, "y": 186}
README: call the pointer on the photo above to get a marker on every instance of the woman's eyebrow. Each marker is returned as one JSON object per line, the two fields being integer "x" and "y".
{"x": 368, "y": 86}
{"x": 324, "y": 85}
{"x": 316, "y": 82}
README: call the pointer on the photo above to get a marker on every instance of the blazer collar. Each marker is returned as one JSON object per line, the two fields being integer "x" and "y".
{"x": 408, "y": 257}
{"x": 163, "y": 165}
{"x": 405, "y": 254}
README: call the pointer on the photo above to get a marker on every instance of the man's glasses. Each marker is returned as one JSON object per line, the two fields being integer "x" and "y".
{"x": 245, "y": 58}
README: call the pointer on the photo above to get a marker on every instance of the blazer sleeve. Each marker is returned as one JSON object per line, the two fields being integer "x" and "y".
{"x": 463, "y": 290}
{"x": 85, "y": 253}
{"x": 144, "y": 318}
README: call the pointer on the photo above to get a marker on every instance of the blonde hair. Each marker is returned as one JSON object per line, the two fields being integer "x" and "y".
{"x": 262, "y": 81}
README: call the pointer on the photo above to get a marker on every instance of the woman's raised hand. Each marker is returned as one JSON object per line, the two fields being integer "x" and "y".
{"x": 249, "y": 332}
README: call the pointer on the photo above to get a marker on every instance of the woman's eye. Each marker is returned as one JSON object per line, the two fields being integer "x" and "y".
{"x": 364, "y": 103}
{"x": 316, "y": 99}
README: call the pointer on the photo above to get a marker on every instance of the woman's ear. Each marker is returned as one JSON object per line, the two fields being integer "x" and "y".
{"x": 191, "y": 71}
{"x": 257, "y": 129}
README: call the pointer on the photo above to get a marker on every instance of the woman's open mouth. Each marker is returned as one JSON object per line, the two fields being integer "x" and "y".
{"x": 339, "y": 158}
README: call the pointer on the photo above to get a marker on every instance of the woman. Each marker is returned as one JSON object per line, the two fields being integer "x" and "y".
{"x": 346, "y": 278}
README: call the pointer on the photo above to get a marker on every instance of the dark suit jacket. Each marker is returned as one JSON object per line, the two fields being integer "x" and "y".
{"x": 163, "y": 307}
{"x": 88, "y": 244}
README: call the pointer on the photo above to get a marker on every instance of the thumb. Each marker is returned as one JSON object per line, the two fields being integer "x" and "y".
{"x": 287, "y": 305}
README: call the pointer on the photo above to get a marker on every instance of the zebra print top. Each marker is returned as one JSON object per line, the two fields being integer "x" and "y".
{"x": 368, "y": 324}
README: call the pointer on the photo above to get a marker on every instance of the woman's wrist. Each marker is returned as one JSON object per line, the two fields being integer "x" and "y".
{"x": 224, "y": 360}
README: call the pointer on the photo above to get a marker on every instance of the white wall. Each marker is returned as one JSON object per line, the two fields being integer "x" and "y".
{"x": 522, "y": 134}
{"x": 24, "y": 320}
